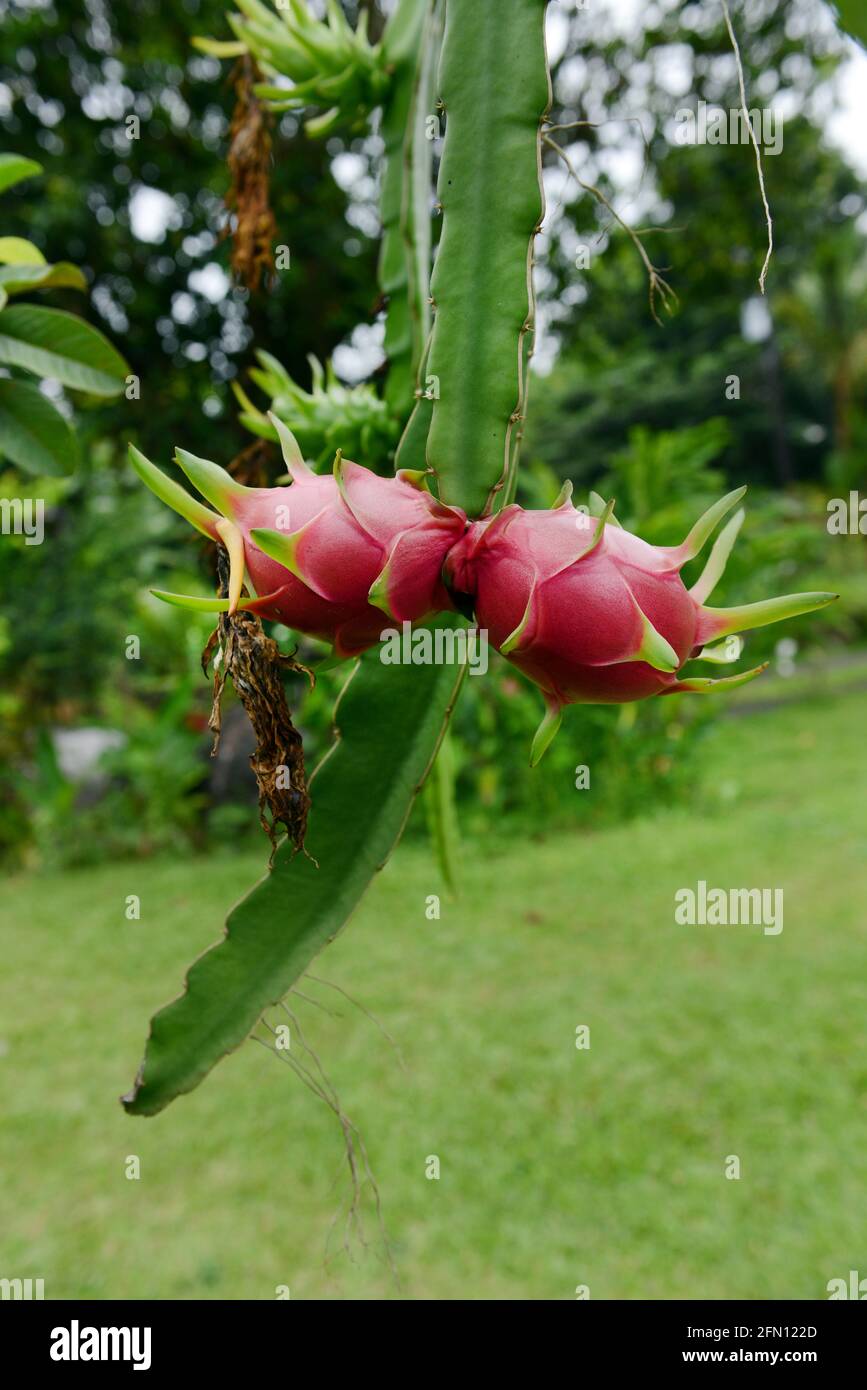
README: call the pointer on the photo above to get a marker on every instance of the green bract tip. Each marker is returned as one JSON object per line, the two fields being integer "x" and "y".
{"x": 174, "y": 496}
{"x": 212, "y": 481}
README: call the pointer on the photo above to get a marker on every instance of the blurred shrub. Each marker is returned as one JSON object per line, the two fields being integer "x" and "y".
{"x": 638, "y": 756}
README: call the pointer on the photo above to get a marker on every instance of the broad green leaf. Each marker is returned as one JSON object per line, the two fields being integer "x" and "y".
{"x": 853, "y": 19}
{"x": 33, "y": 434}
{"x": 14, "y": 168}
{"x": 390, "y": 721}
{"x": 16, "y": 250}
{"x": 18, "y": 279}
{"x": 51, "y": 343}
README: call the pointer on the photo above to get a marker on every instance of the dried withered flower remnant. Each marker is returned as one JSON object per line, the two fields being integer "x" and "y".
{"x": 253, "y": 227}
{"x": 254, "y": 663}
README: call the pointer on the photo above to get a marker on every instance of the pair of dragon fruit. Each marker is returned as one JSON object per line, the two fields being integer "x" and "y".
{"x": 588, "y": 611}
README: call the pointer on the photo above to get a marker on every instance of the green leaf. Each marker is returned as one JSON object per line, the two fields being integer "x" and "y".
{"x": 14, "y": 168}
{"x": 220, "y": 48}
{"x": 390, "y": 721}
{"x": 51, "y": 343}
{"x": 18, "y": 278}
{"x": 33, "y": 434}
{"x": 853, "y": 19}
{"x": 16, "y": 250}
{"x": 442, "y": 817}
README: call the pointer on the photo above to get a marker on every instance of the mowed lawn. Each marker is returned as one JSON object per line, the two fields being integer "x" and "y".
{"x": 558, "y": 1167}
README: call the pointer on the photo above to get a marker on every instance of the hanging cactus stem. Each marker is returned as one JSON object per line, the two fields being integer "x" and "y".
{"x": 495, "y": 90}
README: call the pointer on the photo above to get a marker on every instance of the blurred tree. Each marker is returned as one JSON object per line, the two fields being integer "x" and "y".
{"x": 617, "y": 368}
{"x": 132, "y": 126}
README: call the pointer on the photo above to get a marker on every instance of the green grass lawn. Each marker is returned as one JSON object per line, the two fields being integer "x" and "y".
{"x": 558, "y": 1167}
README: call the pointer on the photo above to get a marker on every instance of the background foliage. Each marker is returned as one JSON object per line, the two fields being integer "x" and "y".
{"x": 621, "y": 403}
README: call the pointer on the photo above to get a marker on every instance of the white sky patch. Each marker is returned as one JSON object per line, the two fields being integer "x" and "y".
{"x": 348, "y": 169}
{"x": 755, "y": 320}
{"x": 848, "y": 121}
{"x": 356, "y": 360}
{"x": 152, "y": 213}
{"x": 210, "y": 281}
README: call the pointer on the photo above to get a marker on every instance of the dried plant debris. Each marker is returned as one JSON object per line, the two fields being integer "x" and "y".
{"x": 244, "y": 653}
{"x": 253, "y": 226}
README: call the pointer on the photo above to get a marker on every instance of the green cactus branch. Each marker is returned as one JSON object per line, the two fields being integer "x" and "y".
{"x": 404, "y": 262}
{"x": 495, "y": 91}
{"x": 389, "y": 723}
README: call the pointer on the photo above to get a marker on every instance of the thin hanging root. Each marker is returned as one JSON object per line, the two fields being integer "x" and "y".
{"x": 357, "y": 1157}
{"x": 703, "y": 528}
{"x": 309, "y": 1080}
{"x": 254, "y": 664}
{"x": 755, "y": 144}
{"x": 718, "y": 559}
{"x": 329, "y": 984}
{"x": 658, "y": 288}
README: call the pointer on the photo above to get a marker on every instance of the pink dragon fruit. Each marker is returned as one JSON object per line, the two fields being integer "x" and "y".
{"x": 332, "y": 555}
{"x": 593, "y": 614}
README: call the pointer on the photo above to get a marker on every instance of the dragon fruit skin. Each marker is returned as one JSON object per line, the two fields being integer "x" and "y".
{"x": 595, "y": 615}
{"x": 332, "y": 556}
